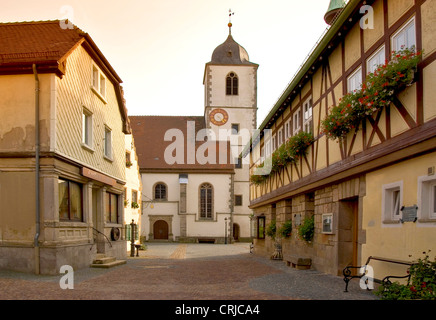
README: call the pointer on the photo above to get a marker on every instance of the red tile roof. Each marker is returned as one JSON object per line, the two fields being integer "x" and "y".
{"x": 149, "y": 134}
{"x": 47, "y": 44}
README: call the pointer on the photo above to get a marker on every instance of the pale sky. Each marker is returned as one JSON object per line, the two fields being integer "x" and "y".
{"x": 159, "y": 47}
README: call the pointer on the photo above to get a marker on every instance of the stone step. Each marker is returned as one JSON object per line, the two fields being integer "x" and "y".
{"x": 108, "y": 264}
{"x": 103, "y": 260}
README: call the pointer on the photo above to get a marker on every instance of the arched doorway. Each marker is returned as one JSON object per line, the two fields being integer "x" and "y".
{"x": 236, "y": 232}
{"x": 160, "y": 230}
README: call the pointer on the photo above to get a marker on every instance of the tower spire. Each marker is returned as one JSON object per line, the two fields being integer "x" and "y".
{"x": 230, "y": 21}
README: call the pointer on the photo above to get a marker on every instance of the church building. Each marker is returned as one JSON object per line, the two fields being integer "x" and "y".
{"x": 195, "y": 186}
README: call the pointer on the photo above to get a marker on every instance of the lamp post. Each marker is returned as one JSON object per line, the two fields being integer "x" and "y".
{"x": 132, "y": 238}
{"x": 225, "y": 231}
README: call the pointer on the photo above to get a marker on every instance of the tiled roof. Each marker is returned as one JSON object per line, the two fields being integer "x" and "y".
{"x": 29, "y": 42}
{"x": 149, "y": 134}
{"x": 47, "y": 44}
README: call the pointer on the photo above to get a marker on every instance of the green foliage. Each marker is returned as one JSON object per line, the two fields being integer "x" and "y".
{"x": 306, "y": 230}
{"x": 422, "y": 283}
{"x": 289, "y": 152}
{"x": 271, "y": 229}
{"x": 286, "y": 229}
{"x": 378, "y": 91}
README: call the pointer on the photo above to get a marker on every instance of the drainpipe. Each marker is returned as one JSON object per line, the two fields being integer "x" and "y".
{"x": 37, "y": 143}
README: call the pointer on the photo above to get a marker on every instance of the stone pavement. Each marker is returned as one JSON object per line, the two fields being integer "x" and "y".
{"x": 172, "y": 271}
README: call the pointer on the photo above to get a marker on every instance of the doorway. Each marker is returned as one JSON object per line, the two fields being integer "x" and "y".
{"x": 347, "y": 233}
{"x": 236, "y": 232}
{"x": 160, "y": 230}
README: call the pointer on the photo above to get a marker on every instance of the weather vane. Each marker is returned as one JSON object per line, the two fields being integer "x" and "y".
{"x": 230, "y": 20}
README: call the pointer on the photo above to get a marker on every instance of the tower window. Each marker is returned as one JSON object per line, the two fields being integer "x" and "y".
{"x": 232, "y": 84}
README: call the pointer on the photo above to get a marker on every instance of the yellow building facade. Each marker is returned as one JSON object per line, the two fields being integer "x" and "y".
{"x": 372, "y": 192}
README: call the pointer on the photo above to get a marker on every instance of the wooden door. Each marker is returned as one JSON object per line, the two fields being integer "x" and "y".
{"x": 160, "y": 230}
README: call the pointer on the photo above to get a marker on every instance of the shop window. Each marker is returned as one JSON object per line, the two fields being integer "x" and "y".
{"x": 70, "y": 201}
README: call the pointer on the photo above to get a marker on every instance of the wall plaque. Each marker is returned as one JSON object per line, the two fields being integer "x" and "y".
{"x": 410, "y": 214}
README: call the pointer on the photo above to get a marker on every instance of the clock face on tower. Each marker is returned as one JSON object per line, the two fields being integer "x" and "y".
{"x": 219, "y": 117}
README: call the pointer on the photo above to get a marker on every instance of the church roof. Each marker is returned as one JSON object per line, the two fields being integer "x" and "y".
{"x": 230, "y": 53}
{"x": 149, "y": 134}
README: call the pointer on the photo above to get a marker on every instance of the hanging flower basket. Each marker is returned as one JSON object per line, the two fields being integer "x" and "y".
{"x": 378, "y": 91}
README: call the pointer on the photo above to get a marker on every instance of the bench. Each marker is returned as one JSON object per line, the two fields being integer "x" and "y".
{"x": 297, "y": 262}
{"x": 362, "y": 271}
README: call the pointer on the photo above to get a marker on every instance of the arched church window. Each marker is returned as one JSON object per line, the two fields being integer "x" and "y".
{"x": 206, "y": 201}
{"x": 160, "y": 191}
{"x": 232, "y": 84}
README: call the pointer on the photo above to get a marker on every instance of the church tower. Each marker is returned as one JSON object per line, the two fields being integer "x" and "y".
{"x": 230, "y": 101}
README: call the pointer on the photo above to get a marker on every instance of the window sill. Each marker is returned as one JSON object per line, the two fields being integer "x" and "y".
{"x": 391, "y": 222}
{"x": 87, "y": 147}
{"x": 108, "y": 159}
{"x": 427, "y": 220}
{"x": 103, "y": 99}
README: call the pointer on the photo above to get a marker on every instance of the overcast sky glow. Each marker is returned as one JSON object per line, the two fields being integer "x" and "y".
{"x": 159, "y": 47}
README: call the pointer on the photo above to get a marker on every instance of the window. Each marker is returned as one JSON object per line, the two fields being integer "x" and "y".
{"x": 288, "y": 130}
{"x": 327, "y": 223}
{"x": 261, "y": 227}
{"x": 274, "y": 143}
{"x": 405, "y": 37}
{"x": 98, "y": 83}
{"x": 354, "y": 81}
{"x": 427, "y": 197}
{"x": 392, "y": 199}
{"x": 296, "y": 126}
{"x": 134, "y": 196}
{"x": 268, "y": 148}
{"x": 232, "y": 84}
{"x": 238, "y": 200}
{"x": 206, "y": 198}
{"x": 95, "y": 77}
{"x": 307, "y": 116}
{"x": 160, "y": 191}
{"x": 377, "y": 59}
{"x": 102, "y": 85}
{"x": 128, "y": 159}
{"x": 111, "y": 212}
{"x": 108, "y": 142}
{"x": 235, "y": 128}
{"x": 87, "y": 128}
{"x": 280, "y": 137}
{"x": 70, "y": 201}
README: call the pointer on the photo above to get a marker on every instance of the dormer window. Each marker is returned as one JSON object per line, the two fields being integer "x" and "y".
{"x": 232, "y": 84}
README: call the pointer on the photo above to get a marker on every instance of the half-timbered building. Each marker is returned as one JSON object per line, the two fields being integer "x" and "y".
{"x": 371, "y": 191}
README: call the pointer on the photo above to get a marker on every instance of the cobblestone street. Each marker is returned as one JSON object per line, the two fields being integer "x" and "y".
{"x": 186, "y": 272}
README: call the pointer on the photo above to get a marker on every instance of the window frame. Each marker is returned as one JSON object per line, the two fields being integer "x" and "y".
{"x": 207, "y": 213}
{"x": 107, "y": 145}
{"x": 260, "y": 228}
{"x": 391, "y": 211}
{"x": 109, "y": 215}
{"x": 372, "y": 67}
{"x": 70, "y": 213}
{"x": 165, "y": 189}
{"x": 296, "y": 123}
{"x": 405, "y": 26}
{"x": 309, "y": 121}
{"x": 353, "y": 76}
{"x": 427, "y": 198}
{"x": 87, "y": 130}
{"x": 232, "y": 84}
{"x": 240, "y": 201}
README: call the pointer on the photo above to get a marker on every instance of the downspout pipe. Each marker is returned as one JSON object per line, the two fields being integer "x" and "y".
{"x": 37, "y": 191}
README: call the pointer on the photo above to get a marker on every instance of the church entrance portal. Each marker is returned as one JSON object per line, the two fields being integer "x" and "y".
{"x": 160, "y": 230}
